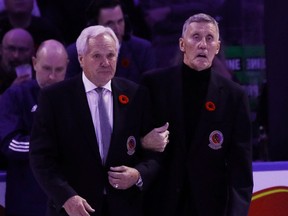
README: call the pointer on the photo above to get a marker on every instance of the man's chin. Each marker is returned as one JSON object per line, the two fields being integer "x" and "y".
{"x": 202, "y": 66}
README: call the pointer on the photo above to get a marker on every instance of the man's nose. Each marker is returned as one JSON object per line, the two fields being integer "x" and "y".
{"x": 15, "y": 53}
{"x": 105, "y": 62}
{"x": 203, "y": 43}
{"x": 117, "y": 28}
{"x": 52, "y": 75}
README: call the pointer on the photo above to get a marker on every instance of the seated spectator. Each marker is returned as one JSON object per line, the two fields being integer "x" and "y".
{"x": 19, "y": 15}
{"x": 35, "y": 11}
{"x": 17, "y": 106}
{"x": 17, "y": 49}
{"x": 62, "y": 16}
{"x": 135, "y": 55}
{"x": 136, "y": 19}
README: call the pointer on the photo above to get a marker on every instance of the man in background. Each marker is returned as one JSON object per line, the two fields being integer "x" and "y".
{"x": 135, "y": 54}
{"x": 17, "y": 50}
{"x": 17, "y": 107}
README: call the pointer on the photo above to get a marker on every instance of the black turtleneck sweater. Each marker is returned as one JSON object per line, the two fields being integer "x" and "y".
{"x": 195, "y": 86}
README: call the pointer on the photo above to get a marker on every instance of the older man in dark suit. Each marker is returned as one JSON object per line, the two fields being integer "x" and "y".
{"x": 81, "y": 171}
{"x": 207, "y": 165}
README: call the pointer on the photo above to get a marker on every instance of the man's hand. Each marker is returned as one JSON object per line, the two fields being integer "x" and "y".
{"x": 123, "y": 177}
{"x": 157, "y": 139}
{"x": 76, "y": 206}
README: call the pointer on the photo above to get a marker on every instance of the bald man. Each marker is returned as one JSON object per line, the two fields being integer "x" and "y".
{"x": 17, "y": 107}
{"x": 50, "y": 63}
{"x": 17, "y": 49}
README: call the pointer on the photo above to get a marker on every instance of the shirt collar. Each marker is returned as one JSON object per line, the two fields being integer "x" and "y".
{"x": 89, "y": 86}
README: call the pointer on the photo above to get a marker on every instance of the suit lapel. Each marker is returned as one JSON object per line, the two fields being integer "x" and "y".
{"x": 83, "y": 117}
{"x": 119, "y": 116}
{"x": 214, "y": 95}
{"x": 175, "y": 107}
{"x": 176, "y": 97}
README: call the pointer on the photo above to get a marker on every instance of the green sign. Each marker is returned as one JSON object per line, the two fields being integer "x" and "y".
{"x": 248, "y": 65}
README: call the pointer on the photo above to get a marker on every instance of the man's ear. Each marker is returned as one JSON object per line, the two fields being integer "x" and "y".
{"x": 34, "y": 62}
{"x": 218, "y": 47}
{"x": 181, "y": 44}
{"x": 80, "y": 59}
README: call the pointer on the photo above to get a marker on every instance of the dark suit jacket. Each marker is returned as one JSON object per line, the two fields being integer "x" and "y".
{"x": 219, "y": 181}
{"x": 64, "y": 151}
{"x": 135, "y": 57}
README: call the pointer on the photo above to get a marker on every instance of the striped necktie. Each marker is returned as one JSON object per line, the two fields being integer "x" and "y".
{"x": 105, "y": 127}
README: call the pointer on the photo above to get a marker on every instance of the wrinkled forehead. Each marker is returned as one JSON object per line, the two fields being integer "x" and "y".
{"x": 101, "y": 42}
{"x": 202, "y": 27}
{"x": 110, "y": 14}
{"x": 18, "y": 38}
{"x": 18, "y": 44}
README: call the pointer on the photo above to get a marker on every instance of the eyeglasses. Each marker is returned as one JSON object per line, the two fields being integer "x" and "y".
{"x": 18, "y": 49}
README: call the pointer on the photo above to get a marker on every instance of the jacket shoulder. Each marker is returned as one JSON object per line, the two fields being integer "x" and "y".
{"x": 64, "y": 89}
{"x": 225, "y": 82}
{"x": 160, "y": 73}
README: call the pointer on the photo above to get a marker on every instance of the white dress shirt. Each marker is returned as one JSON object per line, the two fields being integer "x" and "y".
{"x": 92, "y": 98}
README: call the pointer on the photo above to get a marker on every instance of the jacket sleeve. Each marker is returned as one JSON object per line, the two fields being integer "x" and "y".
{"x": 14, "y": 132}
{"x": 150, "y": 164}
{"x": 44, "y": 154}
{"x": 240, "y": 162}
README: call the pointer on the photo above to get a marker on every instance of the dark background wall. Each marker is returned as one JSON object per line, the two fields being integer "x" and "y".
{"x": 276, "y": 45}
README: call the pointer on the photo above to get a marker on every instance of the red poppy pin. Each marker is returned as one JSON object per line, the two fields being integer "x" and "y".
{"x": 123, "y": 99}
{"x": 125, "y": 62}
{"x": 210, "y": 106}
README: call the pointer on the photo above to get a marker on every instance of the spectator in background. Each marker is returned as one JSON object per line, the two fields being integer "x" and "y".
{"x": 17, "y": 50}
{"x": 62, "y": 16}
{"x": 19, "y": 15}
{"x": 17, "y": 107}
{"x": 135, "y": 19}
{"x": 165, "y": 19}
{"x": 135, "y": 55}
{"x": 35, "y": 11}
{"x": 207, "y": 166}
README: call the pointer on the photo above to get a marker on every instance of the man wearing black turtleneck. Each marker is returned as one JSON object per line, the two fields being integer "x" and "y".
{"x": 207, "y": 165}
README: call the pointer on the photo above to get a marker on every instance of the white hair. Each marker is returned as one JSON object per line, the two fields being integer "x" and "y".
{"x": 91, "y": 32}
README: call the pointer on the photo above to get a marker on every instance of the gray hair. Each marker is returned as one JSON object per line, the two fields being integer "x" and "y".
{"x": 201, "y": 17}
{"x": 91, "y": 32}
